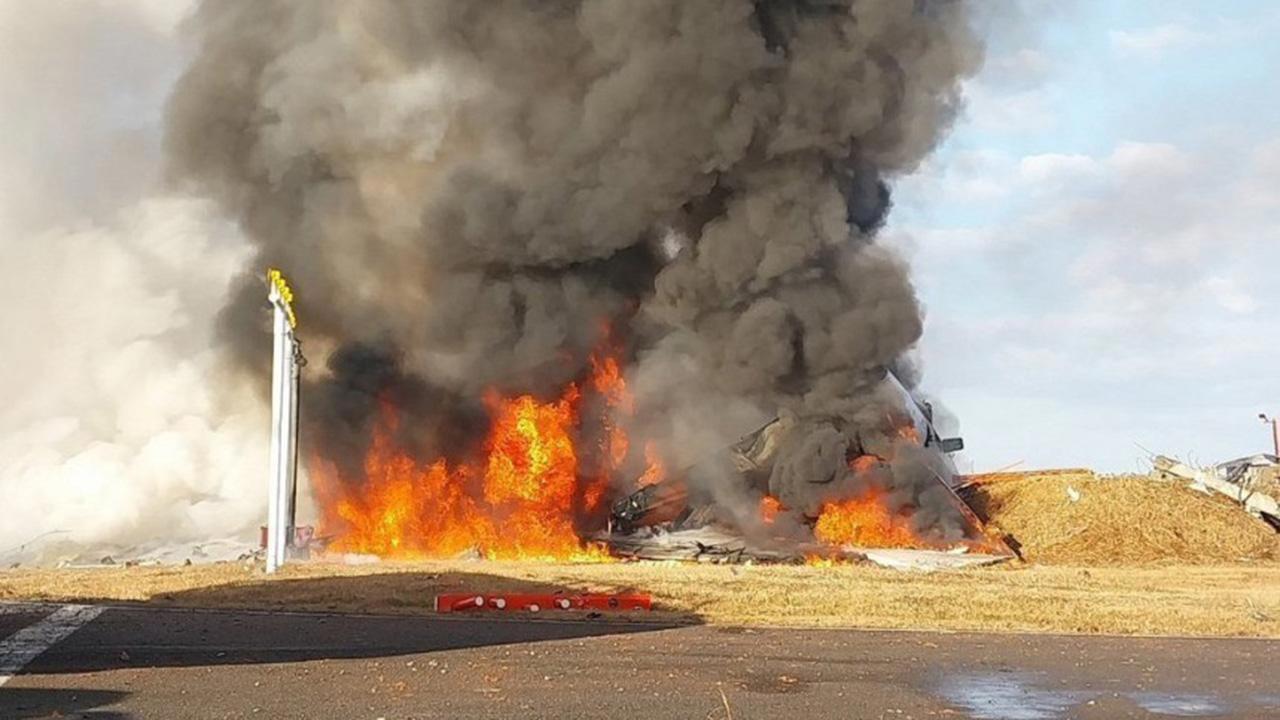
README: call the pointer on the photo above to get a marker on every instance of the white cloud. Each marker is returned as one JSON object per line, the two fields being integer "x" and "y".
{"x": 1050, "y": 169}
{"x": 1127, "y": 283}
{"x": 1018, "y": 70}
{"x": 1020, "y": 112}
{"x": 1148, "y": 161}
{"x": 1120, "y": 289}
{"x": 1231, "y": 294}
{"x": 1154, "y": 42}
{"x": 962, "y": 177}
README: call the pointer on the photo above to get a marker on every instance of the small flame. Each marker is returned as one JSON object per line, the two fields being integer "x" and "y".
{"x": 908, "y": 432}
{"x": 769, "y": 508}
{"x": 865, "y": 463}
{"x": 655, "y": 471}
{"x": 606, "y": 379}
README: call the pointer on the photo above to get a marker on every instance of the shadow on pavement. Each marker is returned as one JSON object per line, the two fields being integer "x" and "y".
{"x": 296, "y": 620}
{"x": 22, "y": 703}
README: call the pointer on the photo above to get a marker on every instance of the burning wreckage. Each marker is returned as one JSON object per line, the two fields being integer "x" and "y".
{"x": 509, "y": 207}
{"x": 547, "y": 487}
{"x": 855, "y": 508}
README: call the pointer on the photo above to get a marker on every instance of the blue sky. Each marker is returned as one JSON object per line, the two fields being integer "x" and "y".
{"x": 1097, "y": 243}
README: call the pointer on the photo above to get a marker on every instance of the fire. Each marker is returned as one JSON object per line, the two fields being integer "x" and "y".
{"x": 405, "y": 504}
{"x": 520, "y": 500}
{"x": 769, "y": 508}
{"x": 535, "y": 484}
{"x": 532, "y": 476}
{"x": 607, "y": 380}
{"x": 908, "y": 432}
{"x": 863, "y": 463}
{"x": 655, "y": 471}
{"x": 864, "y": 522}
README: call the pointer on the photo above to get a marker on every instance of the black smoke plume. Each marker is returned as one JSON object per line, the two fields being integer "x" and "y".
{"x": 465, "y": 193}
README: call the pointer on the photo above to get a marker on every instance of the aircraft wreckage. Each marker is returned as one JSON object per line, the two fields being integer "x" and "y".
{"x": 733, "y": 507}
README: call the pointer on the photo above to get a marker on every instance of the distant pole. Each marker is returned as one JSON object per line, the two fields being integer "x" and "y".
{"x": 1275, "y": 431}
{"x": 284, "y": 431}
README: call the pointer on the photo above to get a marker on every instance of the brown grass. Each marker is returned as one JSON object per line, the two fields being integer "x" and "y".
{"x": 1161, "y": 560}
{"x": 1183, "y": 600}
{"x": 1126, "y": 520}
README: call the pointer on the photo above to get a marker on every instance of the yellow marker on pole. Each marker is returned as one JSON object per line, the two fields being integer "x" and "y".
{"x": 277, "y": 279}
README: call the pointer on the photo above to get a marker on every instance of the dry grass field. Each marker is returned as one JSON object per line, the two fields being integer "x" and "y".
{"x": 1172, "y": 600}
{"x": 1106, "y": 555}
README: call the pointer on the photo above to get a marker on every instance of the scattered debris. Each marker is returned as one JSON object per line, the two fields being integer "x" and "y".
{"x": 537, "y": 602}
{"x": 56, "y": 550}
{"x": 1241, "y": 480}
{"x": 709, "y": 545}
{"x": 687, "y": 516}
{"x": 929, "y": 560}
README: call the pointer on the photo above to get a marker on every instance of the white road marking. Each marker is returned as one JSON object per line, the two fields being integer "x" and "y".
{"x": 26, "y": 645}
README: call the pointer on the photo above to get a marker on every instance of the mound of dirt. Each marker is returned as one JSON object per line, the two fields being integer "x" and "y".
{"x": 1082, "y": 519}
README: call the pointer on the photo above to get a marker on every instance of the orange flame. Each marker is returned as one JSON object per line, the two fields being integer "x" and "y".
{"x": 864, "y": 522}
{"x": 769, "y": 508}
{"x": 908, "y": 432}
{"x": 607, "y": 380}
{"x": 655, "y": 471}
{"x": 519, "y": 501}
{"x": 863, "y": 463}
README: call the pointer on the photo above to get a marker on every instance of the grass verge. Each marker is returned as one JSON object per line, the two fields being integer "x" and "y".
{"x": 1226, "y": 600}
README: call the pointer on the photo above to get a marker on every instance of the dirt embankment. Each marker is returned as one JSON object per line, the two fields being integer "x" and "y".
{"x": 1079, "y": 518}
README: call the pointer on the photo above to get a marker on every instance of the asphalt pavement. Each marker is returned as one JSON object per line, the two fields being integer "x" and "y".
{"x": 145, "y": 662}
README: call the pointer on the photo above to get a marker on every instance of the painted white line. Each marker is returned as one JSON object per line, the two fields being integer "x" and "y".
{"x": 26, "y": 645}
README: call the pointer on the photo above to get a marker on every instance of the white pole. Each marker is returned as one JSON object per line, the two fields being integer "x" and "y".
{"x": 275, "y": 536}
{"x": 285, "y": 486}
{"x": 291, "y": 488}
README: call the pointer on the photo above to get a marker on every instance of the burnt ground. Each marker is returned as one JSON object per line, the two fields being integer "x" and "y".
{"x": 142, "y": 662}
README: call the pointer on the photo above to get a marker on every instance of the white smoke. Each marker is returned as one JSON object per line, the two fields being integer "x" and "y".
{"x": 117, "y": 426}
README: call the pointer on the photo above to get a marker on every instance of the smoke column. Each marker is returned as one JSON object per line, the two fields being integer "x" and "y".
{"x": 463, "y": 192}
